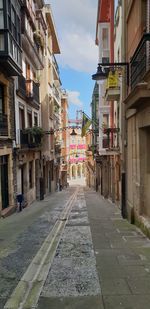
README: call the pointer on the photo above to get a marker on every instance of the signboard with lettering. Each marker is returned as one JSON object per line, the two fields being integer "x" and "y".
{"x": 113, "y": 80}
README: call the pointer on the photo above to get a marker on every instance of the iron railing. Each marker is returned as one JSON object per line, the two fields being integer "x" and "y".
{"x": 56, "y": 65}
{"x": 3, "y": 125}
{"x": 22, "y": 85}
{"x": 33, "y": 90}
{"x": 56, "y": 92}
{"x": 28, "y": 89}
{"x": 111, "y": 138}
{"x": 105, "y": 142}
{"x": 140, "y": 62}
{"x": 29, "y": 141}
{"x": 57, "y": 148}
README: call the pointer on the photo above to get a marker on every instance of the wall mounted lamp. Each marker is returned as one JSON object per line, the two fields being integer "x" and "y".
{"x": 104, "y": 68}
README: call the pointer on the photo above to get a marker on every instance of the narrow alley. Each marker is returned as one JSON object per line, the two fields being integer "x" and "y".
{"x": 73, "y": 250}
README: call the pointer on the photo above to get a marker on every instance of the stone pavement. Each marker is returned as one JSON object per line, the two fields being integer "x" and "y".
{"x": 101, "y": 262}
{"x": 122, "y": 257}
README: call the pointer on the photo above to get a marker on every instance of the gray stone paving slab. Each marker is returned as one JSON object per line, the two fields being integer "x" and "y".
{"x": 89, "y": 302}
{"x": 115, "y": 287}
{"x": 124, "y": 268}
{"x": 127, "y": 302}
{"x": 131, "y": 259}
{"x": 120, "y": 271}
{"x": 141, "y": 286}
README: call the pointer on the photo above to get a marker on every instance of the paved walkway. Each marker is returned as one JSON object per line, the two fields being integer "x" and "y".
{"x": 73, "y": 251}
{"x": 122, "y": 257}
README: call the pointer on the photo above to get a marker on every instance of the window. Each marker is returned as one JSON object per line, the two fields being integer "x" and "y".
{"x": 31, "y": 174}
{"x": 29, "y": 117}
{"x": 35, "y": 119}
{"x": 2, "y": 47}
{"x": 14, "y": 23}
{"x": 105, "y": 38}
{"x": 1, "y": 99}
{"x": 21, "y": 118}
{"x": 1, "y": 15}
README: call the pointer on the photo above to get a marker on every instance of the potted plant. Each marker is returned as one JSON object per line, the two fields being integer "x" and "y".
{"x": 35, "y": 135}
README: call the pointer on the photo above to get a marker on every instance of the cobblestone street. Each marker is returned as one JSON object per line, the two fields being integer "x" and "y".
{"x": 73, "y": 250}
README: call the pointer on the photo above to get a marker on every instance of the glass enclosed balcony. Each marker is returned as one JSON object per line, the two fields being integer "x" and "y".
{"x": 10, "y": 37}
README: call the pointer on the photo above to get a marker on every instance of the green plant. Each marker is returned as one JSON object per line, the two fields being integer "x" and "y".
{"x": 38, "y": 38}
{"x": 35, "y": 135}
{"x": 34, "y": 131}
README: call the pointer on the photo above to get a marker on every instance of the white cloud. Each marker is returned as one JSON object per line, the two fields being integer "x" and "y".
{"x": 74, "y": 98}
{"x": 76, "y": 24}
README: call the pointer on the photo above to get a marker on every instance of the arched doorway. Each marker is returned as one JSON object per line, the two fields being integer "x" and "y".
{"x": 73, "y": 171}
{"x": 83, "y": 169}
{"x": 79, "y": 170}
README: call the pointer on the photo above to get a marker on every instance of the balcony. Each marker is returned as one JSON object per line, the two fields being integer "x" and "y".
{"x": 139, "y": 71}
{"x": 57, "y": 149}
{"x": 32, "y": 45}
{"x": 10, "y": 54}
{"x": 10, "y": 38}
{"x": 140, "y": 62}
{"x": 112, "y": 94}
{"x": 56, "y": 94}
{"x": 56, "y": 67}
{"x": 29, "y": 11}
{"x": 28, "y": 140}
{"x": 3, "y": 125}
{"x": 32, "y": 90}
{"x": 105, "y": 142}
{"x": 29, "y": 91}
{"x": 110, "y": 140}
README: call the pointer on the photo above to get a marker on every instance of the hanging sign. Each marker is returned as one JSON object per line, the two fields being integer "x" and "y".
{"x": 113, "y": 80}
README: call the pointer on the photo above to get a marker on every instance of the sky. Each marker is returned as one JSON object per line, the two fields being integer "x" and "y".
{"x": 75, "y": 22}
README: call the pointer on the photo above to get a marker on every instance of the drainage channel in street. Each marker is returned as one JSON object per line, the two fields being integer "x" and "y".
{"x": 27, "y": 292}
{"x": 72, "y": 281}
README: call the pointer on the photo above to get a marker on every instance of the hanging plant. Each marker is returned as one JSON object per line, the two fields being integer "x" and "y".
{"x": 35, "y": 135}
{"x": 38, "y": 38}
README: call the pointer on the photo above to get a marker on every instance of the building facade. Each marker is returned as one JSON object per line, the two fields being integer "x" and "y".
{"x": 50, "y": 104}
{"x": 108, "y": 159}
{"x": 77, "y": 151}
{"x": 28, "y": 102}
{"x": 10, "y": 66}
{"x": 65, "y": 139}
{"x": 137, "y": 102}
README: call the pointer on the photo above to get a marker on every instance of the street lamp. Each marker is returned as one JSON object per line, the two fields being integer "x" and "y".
{"x": 73, "y": 133}
{"x": 100, "y": 74}
{"x": 103, "y": 70}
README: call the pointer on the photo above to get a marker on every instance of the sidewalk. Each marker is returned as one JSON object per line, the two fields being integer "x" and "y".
{"x": 122, "y": 256}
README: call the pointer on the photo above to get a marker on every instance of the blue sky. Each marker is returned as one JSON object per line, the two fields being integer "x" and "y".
{"x": 75, "y": 22}
{"x": 81, "y": 83}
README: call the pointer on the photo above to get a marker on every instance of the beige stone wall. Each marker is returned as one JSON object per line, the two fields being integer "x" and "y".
{"x": 138, "y": 172}
{"x": 8, "y": 152}
{"x": 6, "y": 142}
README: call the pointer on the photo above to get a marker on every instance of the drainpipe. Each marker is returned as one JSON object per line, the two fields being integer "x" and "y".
{"x": 123, "y": 122}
